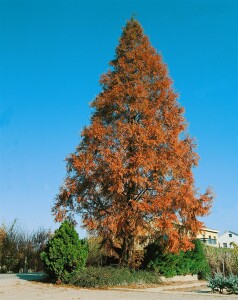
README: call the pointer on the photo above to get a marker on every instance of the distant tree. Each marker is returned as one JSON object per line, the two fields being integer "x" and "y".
{"x": 2, "y": 237}
{"x": 9, "y": 255}
{"x": 36, "y": 243}
{"x": 222, "y": 260}
{"x": 20, "y": 250}
{"x": 131, "y": 175}
{"x": 96, "y": 254}
{"x": 235, "y": 257}
{"x": 65, "y": 253}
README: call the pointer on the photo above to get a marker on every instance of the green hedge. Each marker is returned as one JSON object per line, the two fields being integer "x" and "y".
{"x": 183, "y": 263}
{"x": 112, "y": 276}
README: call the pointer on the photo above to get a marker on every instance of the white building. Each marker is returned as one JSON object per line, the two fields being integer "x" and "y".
{"x": 226, "y": 239}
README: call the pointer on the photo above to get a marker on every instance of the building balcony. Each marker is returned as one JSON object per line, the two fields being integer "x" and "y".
{"x": 209, "y": 242}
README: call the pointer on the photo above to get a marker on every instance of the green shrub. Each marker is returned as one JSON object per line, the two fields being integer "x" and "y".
{"x": 112, "y": 276}
{"x": 199, "y": 264}
{"x": 219, "y": 282}
{"x": 232, "y": 284}
{"x": 64, "y": 253}
{"x": 183, "y": 263}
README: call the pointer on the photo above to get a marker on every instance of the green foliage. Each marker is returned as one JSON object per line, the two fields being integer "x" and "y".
{"x": 111, "y": 276}
{"x": 219, "y": 283}
{"x": 199, "y": 263}
{"x": 183, "y": 263}
{"x": 64, "y": 253}
{"x": 232, "y": 284}
{"x": 96, "y": 253}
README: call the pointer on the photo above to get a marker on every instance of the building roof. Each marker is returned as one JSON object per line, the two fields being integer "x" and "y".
{"x": 228, "y": 231}
{"x": 209, "y": 229}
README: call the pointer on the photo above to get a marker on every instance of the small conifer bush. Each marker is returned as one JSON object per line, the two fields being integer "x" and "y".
{"x": 65, "y": 253}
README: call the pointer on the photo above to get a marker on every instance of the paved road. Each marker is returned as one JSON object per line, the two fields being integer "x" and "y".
{"x": 14, "y": 288}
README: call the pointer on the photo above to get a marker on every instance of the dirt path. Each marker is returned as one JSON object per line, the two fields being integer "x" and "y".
{"x": 14, "y": 288}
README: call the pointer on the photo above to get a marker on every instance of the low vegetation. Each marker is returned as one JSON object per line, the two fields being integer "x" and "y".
{"x": 220, "y": 283}
{"x": 156, "y": 262}
{"x": 113, "y": 276}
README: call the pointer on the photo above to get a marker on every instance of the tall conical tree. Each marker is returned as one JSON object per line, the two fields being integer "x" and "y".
{"x": 131, "y": 175}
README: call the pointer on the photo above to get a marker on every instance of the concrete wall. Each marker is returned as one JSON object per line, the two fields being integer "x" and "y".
{"x": 180, "y": 278}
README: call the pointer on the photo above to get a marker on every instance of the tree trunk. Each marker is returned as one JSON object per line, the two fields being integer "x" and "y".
{"x": 127, "y": 251}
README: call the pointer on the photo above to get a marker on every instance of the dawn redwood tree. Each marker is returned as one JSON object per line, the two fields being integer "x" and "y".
{"x": 131, "y": 175}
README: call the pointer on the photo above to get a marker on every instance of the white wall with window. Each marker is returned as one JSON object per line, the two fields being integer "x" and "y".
{"x": 226, "y": 239}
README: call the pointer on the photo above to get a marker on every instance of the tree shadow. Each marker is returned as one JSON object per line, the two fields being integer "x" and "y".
{"x": 40, "y": 277}
{"x": 203, "y": 292}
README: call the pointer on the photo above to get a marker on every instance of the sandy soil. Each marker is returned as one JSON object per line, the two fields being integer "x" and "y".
{"x": 15, "y": 288}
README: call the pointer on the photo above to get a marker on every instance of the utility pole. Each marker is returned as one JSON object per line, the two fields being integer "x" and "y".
{"x": 25, "y": 265}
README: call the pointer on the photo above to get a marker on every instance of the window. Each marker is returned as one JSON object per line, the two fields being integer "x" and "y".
{"x": 225, "y": 245}
{"x": 230, "y": 234}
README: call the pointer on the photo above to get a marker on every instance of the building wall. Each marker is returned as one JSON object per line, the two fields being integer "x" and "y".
{"x": 209, "y": 237}
{"x": 227, "y": 238}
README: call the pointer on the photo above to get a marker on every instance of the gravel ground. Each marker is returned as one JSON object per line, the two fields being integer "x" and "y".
{"x": 14, "y": 288}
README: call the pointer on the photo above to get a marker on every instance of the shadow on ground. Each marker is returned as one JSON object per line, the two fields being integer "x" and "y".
{"x": 42, "y": 277}
{"x": 203, "y": 291}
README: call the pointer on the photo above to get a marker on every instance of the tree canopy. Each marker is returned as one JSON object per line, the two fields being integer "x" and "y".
{"x": 131, "y": 175}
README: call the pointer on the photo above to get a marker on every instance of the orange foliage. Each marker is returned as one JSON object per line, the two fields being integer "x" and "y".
{"x": 2, "y": 234}
{"x": 131, "y": 175}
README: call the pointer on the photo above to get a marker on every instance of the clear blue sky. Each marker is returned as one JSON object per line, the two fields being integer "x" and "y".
{"x": 51, "y": 56}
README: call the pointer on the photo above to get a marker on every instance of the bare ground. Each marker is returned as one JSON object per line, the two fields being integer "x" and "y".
{"x": 14, "y": 288}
